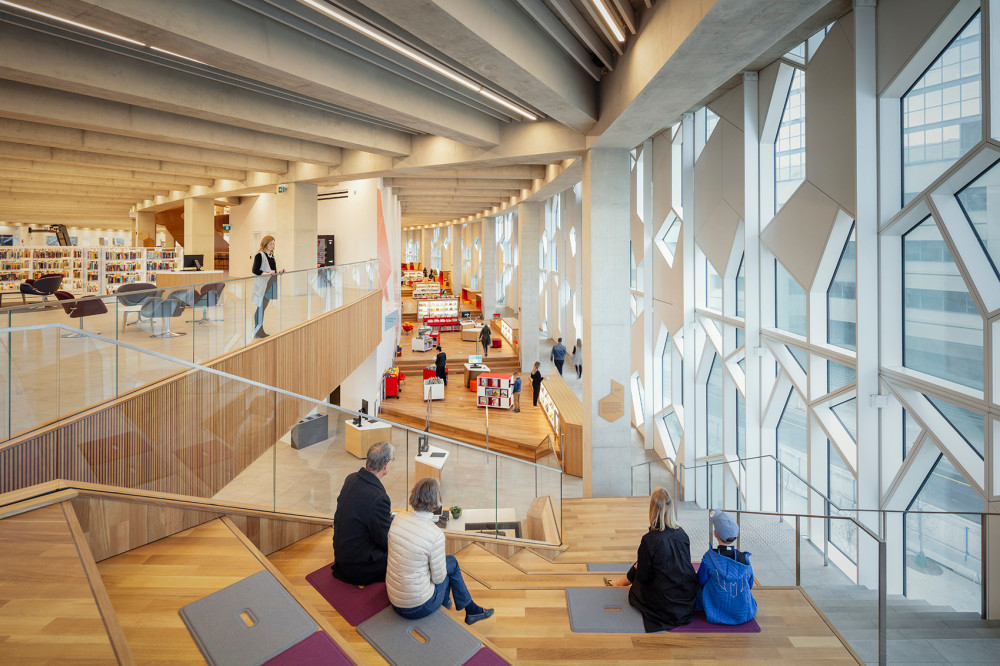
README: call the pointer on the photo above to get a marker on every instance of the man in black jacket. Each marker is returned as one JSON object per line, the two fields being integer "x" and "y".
{"x": 440, "y": 363}
{"x": 361, "y": 522}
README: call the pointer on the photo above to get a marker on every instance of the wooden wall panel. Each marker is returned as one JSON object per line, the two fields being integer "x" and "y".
{"x": 192, "y": 433}
{"x": 272, "y": 535}
{"x": 112, "y": 527}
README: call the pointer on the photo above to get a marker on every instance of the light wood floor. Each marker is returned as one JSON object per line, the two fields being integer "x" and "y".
{"x": 531, "y": 624}
{"x": 48, "y": 613}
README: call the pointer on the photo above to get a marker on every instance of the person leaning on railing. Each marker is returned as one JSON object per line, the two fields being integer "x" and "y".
{"x": 663, "y": 581}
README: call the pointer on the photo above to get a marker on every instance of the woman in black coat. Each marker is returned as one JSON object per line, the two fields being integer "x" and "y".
{"x": 536, "y": 382}
{"x": 663, "y": 581}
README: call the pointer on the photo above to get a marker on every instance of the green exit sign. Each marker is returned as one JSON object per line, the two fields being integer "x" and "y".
{"x": 225, "y": 227}
{"x": 282, "y": 189}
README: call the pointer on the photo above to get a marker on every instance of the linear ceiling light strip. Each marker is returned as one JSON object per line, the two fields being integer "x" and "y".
{"x": 414, "y": 55}
{"x": 606, "y": 15}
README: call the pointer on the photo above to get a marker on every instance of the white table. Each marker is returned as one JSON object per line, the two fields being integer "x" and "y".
{"x": 358, "y": 440}
{"x": 481, "y": 516}
{"x": 428, "y": 466}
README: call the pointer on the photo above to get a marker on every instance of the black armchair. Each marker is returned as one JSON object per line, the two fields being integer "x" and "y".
{"x": 131, "y": 298}
{"x": 78, "y": 308}
{"x": 43, "y": 286}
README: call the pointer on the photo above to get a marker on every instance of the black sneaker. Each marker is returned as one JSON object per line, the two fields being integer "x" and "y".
{"x": 472, "y": 618}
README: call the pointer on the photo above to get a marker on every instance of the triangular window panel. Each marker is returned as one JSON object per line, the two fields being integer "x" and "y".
{"x": 713, "y": 407}
{"x": 838, "y": 376}
{"x": 942, "y": 112}
{"x": 942, "y": 327}
{"x": 713, "y": 288}
{"x": 841, "y": 302}
{"x": 911, "y": 431}
{"x": 666, "y": 238}
{"x": 847, "y": 413}
{"x": 741, "y": 427}
{"x": 711, "y": 120}
{"x": 801, "y": 357}
{"x": 741, "y": 337}
{"x": 790, "y": 302}
{"x": 976, "y": 198}
{"x": 790, "y": 144}
{"x": 674, "y": 429}
{"x": 968, "y": 424}
{"x": 741, "y": 291}
{"x": 945, "y": 489}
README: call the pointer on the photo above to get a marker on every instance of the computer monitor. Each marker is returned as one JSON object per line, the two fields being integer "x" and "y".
{"x": 475, "y": 359}
{"x": 193, "y": 261}
{"x": 364, "y": 407}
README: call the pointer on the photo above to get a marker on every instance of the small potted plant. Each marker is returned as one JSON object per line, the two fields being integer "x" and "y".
{"x": 456, "y": 512}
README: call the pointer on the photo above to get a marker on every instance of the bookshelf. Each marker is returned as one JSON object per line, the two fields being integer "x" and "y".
{"x": 494, "y": 390}
{"x": 426, "y": 290}
{"x": 92, "y": 270}
{"x": 564, "y": 412}
{"x": 437, "y": 308}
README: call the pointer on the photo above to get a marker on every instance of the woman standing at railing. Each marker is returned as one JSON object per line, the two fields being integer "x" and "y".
{"x": 265, "y": 288}
{"x": 663, "y": 581}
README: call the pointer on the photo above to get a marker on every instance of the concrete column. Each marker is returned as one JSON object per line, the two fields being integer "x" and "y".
{"x": 649, "y": 318}
{"x": 607, "y": 455}
{"x": 866, "y": 103}
{"x": 489, "y": 266}
{"x": 529, "y": 221}
{"x": 456, "y": 258}
{"x": 145, "y": 226}
{"x": 751, "y": 275}
{"x": 425, "y": 247}
{"x": 199, "y": 230}
{"x": 687, "y": 249}
{"x": 296, "y": 227}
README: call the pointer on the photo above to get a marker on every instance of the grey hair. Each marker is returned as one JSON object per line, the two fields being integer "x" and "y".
{"x": 426, "y": 495}
{"x": 379, "y": 456}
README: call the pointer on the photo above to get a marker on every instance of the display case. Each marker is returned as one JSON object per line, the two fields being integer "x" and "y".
{"x": 444, "y": 324}
{"x": 433, "y": 389}
{"x": 437, "y": 308}
{"x": 564, "y": 412}
{"x": 412, "y": 276}
{"x": 421, "y": 343}
{"x": 494, "y": 390}
{"x": 508, "y": 330}
{"x": 426, "y": 290}
{"x": 95, "y": 270}
{"x": 15, "y": 267}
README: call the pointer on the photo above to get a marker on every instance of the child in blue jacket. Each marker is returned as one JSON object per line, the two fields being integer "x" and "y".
{"x": 726, "y": 577}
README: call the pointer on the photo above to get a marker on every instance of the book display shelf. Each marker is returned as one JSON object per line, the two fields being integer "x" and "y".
{"x": 438, "y": 308}
{"x": 494, "y": 390}
{"x": 426, "y": 290}
{"x": 92, "y": 270}
{"x": 564, "y": 412}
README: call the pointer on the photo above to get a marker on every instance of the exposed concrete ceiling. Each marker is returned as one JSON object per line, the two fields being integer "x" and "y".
{"x": 218, "y": 98}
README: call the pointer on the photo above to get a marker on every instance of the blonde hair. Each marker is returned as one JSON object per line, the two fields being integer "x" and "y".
{"x": 264, "y": 242}
{"x": 537, "y": 365}
{"x": 662, "y": 514}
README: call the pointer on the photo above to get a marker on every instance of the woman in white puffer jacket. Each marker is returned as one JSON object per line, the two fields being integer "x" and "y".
{"x": 419, "y": 575}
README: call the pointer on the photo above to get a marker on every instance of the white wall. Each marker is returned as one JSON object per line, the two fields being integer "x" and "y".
{"x": 86, "y": 237}
{"x": 250, "y": 221}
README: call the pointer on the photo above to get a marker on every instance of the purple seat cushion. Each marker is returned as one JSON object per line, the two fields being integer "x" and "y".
{"x": 316, "y": 650}
{"x": 355, "y": 604}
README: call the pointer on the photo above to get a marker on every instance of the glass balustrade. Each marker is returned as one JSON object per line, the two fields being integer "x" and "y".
{"x": 53, "y": 371}
{"x": 211, "y": 435}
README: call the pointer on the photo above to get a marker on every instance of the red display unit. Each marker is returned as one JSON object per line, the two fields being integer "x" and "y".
{"x": 444, "y": 324}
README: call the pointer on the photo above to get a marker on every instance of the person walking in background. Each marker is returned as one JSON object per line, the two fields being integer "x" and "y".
{"x": 441, "y": 365}
{"x": 265, "y": 286}
{"x": 536, "y": 383}
{"x": 516, "y": 392}
{"x": 577, "y": 358}
{"x": 558, "y": 355}
{"x": 486, "y": 338}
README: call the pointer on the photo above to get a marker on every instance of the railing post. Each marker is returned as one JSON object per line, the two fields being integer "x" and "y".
{"x": 798, "y": 553}
{"x": 983, "y": 585}
{"x": 882, "y": 583}
{"x": 826, "y": 535}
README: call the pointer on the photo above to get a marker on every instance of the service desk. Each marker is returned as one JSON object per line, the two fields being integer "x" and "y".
{"x": 471, "y": 372}
{"x": 565, "y": 414}
{"x": 503, "y": 520}
{"x": 430, "y": 463}
{"x": 174, "y": 279}
{"x": 471, "y": 333}
{"x": 358, "y": 440}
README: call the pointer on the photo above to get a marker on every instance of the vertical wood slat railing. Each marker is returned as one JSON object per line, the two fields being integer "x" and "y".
{"x": 193, "y": 432}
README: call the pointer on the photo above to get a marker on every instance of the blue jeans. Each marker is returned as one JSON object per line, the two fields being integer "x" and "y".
{"x": 459, "y": 592}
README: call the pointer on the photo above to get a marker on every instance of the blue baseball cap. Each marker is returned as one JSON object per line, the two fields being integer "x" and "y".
{"x": 724, "y": 525}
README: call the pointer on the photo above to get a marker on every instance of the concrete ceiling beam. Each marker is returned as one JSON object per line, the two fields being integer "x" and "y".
{"x": 519, "y": 171}
{"x": 71, "y": 189}
{"x": 458, "y": 183}
{"x": 675, "y": 61}
{"x": 37, "y": 169}
{"x": 45, "y": 105}
{"x": 31, "y": 57}
{"x": 418, "y": 193}
{"x": 116, "y": 162}
{"x": 504, "y": 46}
{"x": 84, "y": 181}
{"x": 21, "y": 131}
{"x": 261, "y": 47}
